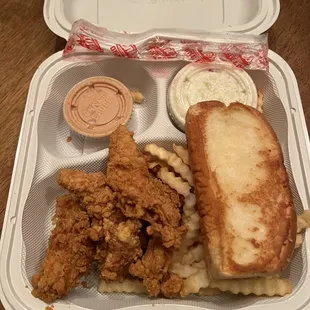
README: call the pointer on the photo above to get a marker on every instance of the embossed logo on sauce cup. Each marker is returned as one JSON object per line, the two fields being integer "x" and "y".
{"x": 96, "y": 106}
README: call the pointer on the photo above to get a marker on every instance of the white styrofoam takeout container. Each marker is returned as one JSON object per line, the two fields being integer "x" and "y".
{"x": 255, "y": 16}
{"x": 43, "y": 149}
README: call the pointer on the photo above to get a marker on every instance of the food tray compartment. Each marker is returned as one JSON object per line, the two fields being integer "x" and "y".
{"x": 53, "y": 130}
{"x": 152, "y": 125}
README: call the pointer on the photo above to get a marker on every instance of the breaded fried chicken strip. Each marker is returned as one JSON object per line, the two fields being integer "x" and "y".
{"x": 140, "y": 195}
{"x": 96, "y": 196}
{"x": 171, "y": 286}
{"x": 69, "y": 254}
{"x": 121, "y": 247}
{"x": 163, "y": 215}
{"x": 153, "y": 269}
{"x": 119, "y": 243}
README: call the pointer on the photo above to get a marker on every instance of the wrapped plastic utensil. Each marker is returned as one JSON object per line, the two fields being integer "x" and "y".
{"x": 244, "y": 51}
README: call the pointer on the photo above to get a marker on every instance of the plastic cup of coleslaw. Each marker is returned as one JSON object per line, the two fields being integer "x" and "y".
{"x": 205, "y": 82}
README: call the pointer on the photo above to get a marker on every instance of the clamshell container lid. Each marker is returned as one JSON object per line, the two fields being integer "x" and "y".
{"x": 246, "y": 16}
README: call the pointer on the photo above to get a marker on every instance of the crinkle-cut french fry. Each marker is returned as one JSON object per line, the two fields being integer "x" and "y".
{"x": 193, "y": 232}
{"x": 191, "y": 219}
{"x": 179, "y": 167}
{"x": 173, "y": 160}
{"x": 188, "y": 240}
{"x": 127, "y": 286}
{"x": 194, "y": 222}
{"x": 178, "y": 255}
{"x": 194, "y": 254}
{"x": 208, "y": 291}
{"x": 158, "y": 151}
{"x": 182, "y": 152}
{"x": 193, "y": 229}
{"x": 191, "y": 237}
{"x": 183, "y": 271}
{"x": 174, "y": 182}
{"x": 256, "y": 286}
{"x": 190, "y": 201}
{"x": 137, "y": 96}
{"x": 153, "y": 164}
{"x": 189, "y": 205}
{"x": 299, "y": 241}
{"x": 303, "y": 221}
{"x": 197, "y": 281}
{"x": 260, "y": 101}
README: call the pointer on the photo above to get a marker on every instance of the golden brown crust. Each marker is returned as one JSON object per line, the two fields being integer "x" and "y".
{"x": 280, "y": 221}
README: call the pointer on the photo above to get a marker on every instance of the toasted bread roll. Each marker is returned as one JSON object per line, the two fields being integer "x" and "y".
{"x": 242, "y": 190}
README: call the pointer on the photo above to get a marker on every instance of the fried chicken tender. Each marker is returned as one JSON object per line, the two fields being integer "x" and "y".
{"x": 170, "y": 236}
{"x": 121, "y": 247}
{"x": 153, "y": 269}
{"x": 69, "y": 254}
{"x": 140, "y": 195}
{"x": 172, "y": 286}
{"x": 119, "y": 243}
{"x": 96, "y": 196}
